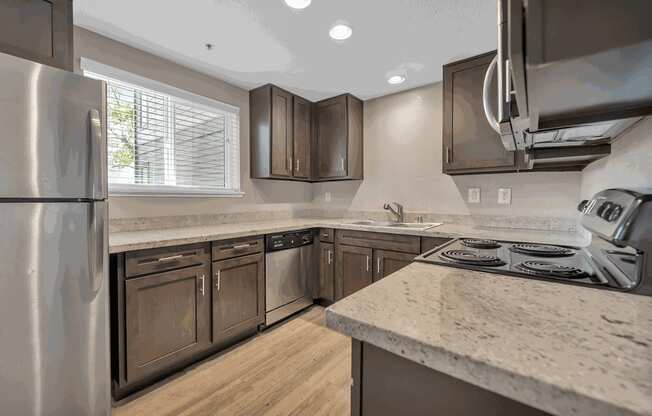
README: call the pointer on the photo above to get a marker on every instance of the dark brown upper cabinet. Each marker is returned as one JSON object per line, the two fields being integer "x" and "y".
{"x": 272, "y": 131}
{"x": 38, "y": 30}
{"x": 338, "y": 139}
{"x": 295, "y": 139}
{"x": 282, "y": 129}
{"x": 470, "y": 145}
{"x": 302, "y": 138}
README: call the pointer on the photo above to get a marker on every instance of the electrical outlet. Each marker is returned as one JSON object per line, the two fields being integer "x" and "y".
{"x": 328, "y": 197}
{"x": 474, "y": 196}
{"x": 505, "y": 196}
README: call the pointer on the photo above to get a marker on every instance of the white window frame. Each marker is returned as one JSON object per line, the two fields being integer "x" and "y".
{"x": 98, "y": 70}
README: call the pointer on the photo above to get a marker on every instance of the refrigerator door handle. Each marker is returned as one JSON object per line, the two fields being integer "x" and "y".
{"x": 98, "y": 162}
{"x": 97, "y": 244}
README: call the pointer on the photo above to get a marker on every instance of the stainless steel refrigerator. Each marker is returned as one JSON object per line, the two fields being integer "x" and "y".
{"x": 54, "y": 317}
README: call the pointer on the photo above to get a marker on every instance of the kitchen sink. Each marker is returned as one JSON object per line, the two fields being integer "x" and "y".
{"x": 420, "y": 226}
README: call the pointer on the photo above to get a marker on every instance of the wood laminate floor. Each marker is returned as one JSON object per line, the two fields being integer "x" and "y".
{"x": 298, "y": 368}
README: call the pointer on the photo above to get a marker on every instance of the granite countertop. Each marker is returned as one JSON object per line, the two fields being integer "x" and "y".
{"x": 137, "y": 240}
{"x": 563, "y": 349}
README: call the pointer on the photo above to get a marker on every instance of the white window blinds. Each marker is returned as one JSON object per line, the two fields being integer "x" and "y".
{"x": 164, "y": 141}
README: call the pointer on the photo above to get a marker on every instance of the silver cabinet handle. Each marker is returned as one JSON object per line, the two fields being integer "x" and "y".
{"x": 241, "y": 246}
{"x": 202, "y": 290}
{"x": 342, "y": 164}
{"x": 178, "y": 256}
{"x": 290, "y": 164}
{"x": 219, "y": 276}
{"x": 368, "y": 263}
{"x": 330, "y": 256}
{"x": 378, "y": 266}
{"x": 298, "y": 164}
{"x": 448, "y": 155}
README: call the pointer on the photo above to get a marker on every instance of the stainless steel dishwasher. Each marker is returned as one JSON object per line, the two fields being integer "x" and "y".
{"x": 289, "y": 274}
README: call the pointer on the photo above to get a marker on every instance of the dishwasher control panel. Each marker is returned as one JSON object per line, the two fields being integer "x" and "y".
{"x": 284, "y": 241}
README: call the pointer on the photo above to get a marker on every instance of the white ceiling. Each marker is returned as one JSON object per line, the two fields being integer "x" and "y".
{"x": 261, "y": 41}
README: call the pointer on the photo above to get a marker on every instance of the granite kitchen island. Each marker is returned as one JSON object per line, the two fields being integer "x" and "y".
{"x": 519, "y": 345}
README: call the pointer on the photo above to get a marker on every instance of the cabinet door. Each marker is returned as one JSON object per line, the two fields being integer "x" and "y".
{"x": 302, "y": 137}
{"x": 326, "y": 271}
{"x": 38, "y": 30}
{"x": 387, "y": 262}
{"x": 238, "y": 296}
{"x": 332, "y": 138}
{"x": 167, "y": 319}
{"x": 353, "y": 269}
{"x": 470, "y": 144}
{"x": 281, "y": 146}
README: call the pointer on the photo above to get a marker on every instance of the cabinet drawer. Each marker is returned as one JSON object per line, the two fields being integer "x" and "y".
{"x": 238, "y": 247}
{"x": 394, "y": 242}
{"x": 326, "y": 235}
{"x": 155, "y": 260}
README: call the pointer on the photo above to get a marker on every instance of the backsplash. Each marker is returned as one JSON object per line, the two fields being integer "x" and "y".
{"x": 483, "y": 221}
{"x": 179, "y": 221}
{"x": 488, "y": 221}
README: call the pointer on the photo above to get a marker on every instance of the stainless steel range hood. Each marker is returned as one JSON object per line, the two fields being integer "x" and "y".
{"x": 571, "y": 74}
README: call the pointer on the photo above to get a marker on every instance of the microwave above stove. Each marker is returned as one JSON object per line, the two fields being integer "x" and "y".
{"x": 569, "y": 75}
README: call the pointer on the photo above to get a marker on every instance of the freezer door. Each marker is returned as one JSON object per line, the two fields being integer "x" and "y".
{"x": 51, "y": 132}
{"x": 54, "y": 327}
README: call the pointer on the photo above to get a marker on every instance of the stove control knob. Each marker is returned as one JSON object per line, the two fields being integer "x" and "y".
{"x": 603, "y": 209}
{"x": 582, "y": 205}
{"x": 614, "y": 213}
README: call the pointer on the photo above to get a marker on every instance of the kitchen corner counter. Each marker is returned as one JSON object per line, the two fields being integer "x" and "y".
{"x": 137, "y": 240}
{"x": 563, "y": 349}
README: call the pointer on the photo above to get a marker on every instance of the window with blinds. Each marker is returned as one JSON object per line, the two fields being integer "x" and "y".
{"x": 164, "y": 141}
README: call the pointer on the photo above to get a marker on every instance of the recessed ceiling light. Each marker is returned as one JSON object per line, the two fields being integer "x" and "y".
{"x": 298, "y": 4}
{"x": 340, "y": 32}
{"x": 396, "y": 79}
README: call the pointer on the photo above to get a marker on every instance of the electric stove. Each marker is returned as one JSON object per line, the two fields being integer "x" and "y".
{"x": 620, "y": 223}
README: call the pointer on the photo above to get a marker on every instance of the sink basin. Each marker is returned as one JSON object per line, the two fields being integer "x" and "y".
{"x": 389, "y": 224}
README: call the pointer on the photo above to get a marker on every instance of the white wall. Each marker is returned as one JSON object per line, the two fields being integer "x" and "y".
{"x": 403, "y": 162}
{"x": 629, "y": 165}
{"x": 260, "y": 195}
{"x": 402, "y": 157}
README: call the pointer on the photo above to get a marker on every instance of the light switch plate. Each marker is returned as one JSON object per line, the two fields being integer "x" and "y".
{"x": 505, "y": 196}
{"x": 328, "y": 197}
{"x": 474, "y": 196}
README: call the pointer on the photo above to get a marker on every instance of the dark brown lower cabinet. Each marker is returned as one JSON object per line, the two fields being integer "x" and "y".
{"x": 353, "y": 269}
{"x": 428, "y": 243}
{"x": 327, "y": 271}
{"x": 385, "y": 384}
{"x": 167, "y": 320}
{"x": 388, "y": 262}
{"x": 238, "y": 297}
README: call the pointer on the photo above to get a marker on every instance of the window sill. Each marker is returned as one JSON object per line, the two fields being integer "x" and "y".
{"x": 169, "y": 192}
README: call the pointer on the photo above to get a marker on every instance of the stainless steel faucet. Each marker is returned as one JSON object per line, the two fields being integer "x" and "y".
{"x": 398, "y": 211}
